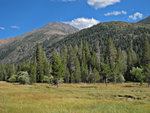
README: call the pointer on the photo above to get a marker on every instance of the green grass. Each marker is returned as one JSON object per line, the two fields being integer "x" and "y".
{"x": 74, "y": 98}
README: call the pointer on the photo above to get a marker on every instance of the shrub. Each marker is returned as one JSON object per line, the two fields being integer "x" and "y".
{"x": 23, "y": 77}
{"x": 138, "y": 75}
{"x": 48, "y": 79}
{"x": 120, "y": 78}
{"x": 13, "y": 78}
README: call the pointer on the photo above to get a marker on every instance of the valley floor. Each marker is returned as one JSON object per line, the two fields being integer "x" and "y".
{"x": 74, "y": 98}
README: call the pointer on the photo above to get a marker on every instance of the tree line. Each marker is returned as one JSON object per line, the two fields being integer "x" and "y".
{"x": 75, "y": 64}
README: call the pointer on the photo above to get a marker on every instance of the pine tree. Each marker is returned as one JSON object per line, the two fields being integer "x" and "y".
{"x": 146, "y": 52}
{"x": 77, "y": 72}
{"x": 80, "y": 52}
{"x": 57, "y": 68}
{"x": 94, "y": 76}
{"x": 64, "y": 59}
{"x": 120, "y": 67}
{"x": 146, "y": 59}
{"x": 111, "y": 53}
{"x": 87, "y": 54}
{"x": 106, "y": 71}
{"x": 40, "y": 66}
{"x": 33, "y": 71}
{"x": 98, "y": 56}
{"x": 84, "y": 68}
{"x": 71, "y": 64}
{"x": 46, "y": 65}
{"x": 131, "y": 62}
{"x": 94, "y": 61}
{"x": 111, "y": 57}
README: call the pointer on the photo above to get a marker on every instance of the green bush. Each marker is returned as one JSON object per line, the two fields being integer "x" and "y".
{"x": 120, "y": 78}
{"x": 13, "y": 78}
{"x": 23, "y": 77}
{"x": 138, "y": 74}
{"x": 48, "y": 79}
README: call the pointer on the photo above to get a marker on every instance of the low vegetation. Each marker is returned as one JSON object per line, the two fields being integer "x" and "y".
{"x": 74, "y": 98}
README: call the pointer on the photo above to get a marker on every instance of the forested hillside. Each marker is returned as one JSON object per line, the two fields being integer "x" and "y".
{"x": 75, "y": 64}
{"x": 122, "y": 34}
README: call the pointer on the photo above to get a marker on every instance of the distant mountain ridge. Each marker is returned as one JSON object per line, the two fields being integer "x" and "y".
{"x": 23, "y": 46}
{"x": 51, "y": 28}
{"x": 145, "y": 21}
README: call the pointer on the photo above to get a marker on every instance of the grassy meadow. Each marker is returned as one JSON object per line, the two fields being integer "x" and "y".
{"x": 74, "y": 98}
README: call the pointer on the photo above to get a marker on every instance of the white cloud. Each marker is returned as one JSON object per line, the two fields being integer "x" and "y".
{"x": 136, "y": 15}
{"x": 2, "y": 28}
{"x": 124, "y": 12}
{"x": 15, "y": 27}
{"x": 116, "y": 13}
{"x": 102, "y": 3}
{"x": 82, "y": 23}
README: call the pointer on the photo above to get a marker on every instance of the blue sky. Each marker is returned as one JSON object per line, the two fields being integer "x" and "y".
{"x": 20, "y": 16}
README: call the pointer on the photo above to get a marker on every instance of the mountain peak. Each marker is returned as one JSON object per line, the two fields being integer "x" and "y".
{"x": 59, "y": 27}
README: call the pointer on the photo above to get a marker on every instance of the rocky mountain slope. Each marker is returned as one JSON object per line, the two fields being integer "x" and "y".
{"x": 23, "y": 47}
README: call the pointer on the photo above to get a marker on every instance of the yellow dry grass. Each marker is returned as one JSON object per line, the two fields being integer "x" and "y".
{"x": 74, "y": 98}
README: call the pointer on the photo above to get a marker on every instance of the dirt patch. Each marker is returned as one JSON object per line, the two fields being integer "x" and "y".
{"x": 129, "y": 86}
{"x": 133, "y": 97}
{"x": 88, "y": 87}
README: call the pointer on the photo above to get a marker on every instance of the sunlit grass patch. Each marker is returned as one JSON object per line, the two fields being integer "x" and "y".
{"x": 74, "y": 98}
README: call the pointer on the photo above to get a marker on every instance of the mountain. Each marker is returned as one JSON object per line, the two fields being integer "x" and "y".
{"x": 56, "y": 35}
{"x": 145, "y": 21}
{"x": 4, "y": 41}
{"x": 22, "y": 47}
{"x": 122, "y": 34}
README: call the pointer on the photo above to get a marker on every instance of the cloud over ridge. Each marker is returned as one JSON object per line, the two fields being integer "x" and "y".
{"x": 82, "y": 23}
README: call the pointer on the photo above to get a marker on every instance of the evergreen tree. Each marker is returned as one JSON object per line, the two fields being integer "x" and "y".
{"x": 80, "y": 52}
{"x": 146, "y": 52}
{"x": 131, "y": 62}
{"x": 77, "y": 72}
{"x": 64, "y": 59}
{"x": 111, "y": 53}
{"x": 33, "y": 71}
{"x": 146, "y": 59}
{"x": 71, "y": 64}
{"x": 94, "y": 76}
{"x": 111, "y": 56}
{"x": 94, "y": 61}
{"x": 106, "y": 71}
{"x": 40, "y": 66}
{"x": 98, "y": 56}
{"x": 120, "y": 67}
{"x": 87, "y": 54}
{"x": 84, "y": 68}
{"x": 57, "y": 68}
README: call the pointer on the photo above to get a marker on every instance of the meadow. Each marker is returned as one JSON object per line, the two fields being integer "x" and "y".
{"x": 74, "y": 98}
